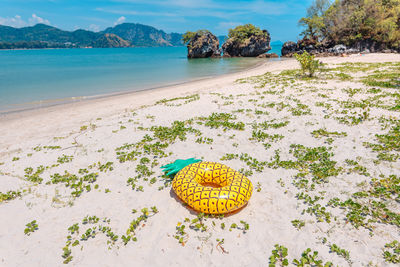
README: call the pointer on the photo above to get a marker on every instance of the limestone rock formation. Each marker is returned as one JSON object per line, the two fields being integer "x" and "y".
{"x": 250, "y": 47}
{"x": 332, "y": 49}
{"x": 203, "y": 45}
{"x": 289, "y": 48}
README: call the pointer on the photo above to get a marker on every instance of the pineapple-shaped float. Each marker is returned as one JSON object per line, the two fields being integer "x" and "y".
{"x": 209, "y": 187}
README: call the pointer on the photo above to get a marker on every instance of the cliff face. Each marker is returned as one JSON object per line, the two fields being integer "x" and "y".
{"x": 109, "y": 40}
{"x": 143, "y": 35}
{"x": 250, "y": 47}
{"x": 203, "y": 45}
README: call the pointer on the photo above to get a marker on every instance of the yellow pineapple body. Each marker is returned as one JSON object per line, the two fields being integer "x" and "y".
{"x": 190, "y": 184}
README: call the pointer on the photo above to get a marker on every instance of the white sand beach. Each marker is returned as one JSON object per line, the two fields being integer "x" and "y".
{"x": 307, "y": 145}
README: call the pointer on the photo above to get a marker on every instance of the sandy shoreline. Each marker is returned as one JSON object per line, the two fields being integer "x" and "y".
{"x": 54, "y": 103}
{"x": 308, "y": 147}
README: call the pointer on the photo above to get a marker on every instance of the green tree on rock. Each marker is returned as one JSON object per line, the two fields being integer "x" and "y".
{"x": 243, "y": 32}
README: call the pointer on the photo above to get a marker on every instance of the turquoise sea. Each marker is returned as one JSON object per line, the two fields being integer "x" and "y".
{"x": 36, "y": 78}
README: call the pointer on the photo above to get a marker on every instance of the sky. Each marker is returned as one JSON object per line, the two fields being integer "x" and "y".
{"x": 280, "y": 18}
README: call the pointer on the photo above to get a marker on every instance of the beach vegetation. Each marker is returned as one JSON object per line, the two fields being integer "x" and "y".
{"x": 387, "y": 145}
{"x": 258, "y": 187}
{"x": 10, "y": 195}
{"x": 180, "y": 234}
{"x": 270, "y": 124}
{"x": 137, "y": 223}
{"x": 204, "y": 140}
{"x": 309, "y": 65}
{"x": 34, "y": 176}
{"x": 40, "y": 148}
{"x": 324, "y": 133}
{"x": 298, "y": 224}
{"x": 64, "y": 159}
{"x": 340, "y": 252}
{"x": 370, "y": 206}
{"x": 391, "y": 253}
{"x": 279, "y": 256}
{"x": 243, "y": 32}
{"x": 188, "y": 36}
{"x": 171, "y": 102}
{"x": 223, "y": 120}
{"x": 31, "y": 227}
{"x": 89, "y": 228}
{"x": 261, "y": 136}
{"x": 309, "y": 258}
{"x": 78, "y": 184}
{"x": 92, "y": 226}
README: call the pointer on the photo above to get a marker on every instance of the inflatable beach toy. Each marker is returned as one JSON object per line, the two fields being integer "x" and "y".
{"x": 209, "y": 187}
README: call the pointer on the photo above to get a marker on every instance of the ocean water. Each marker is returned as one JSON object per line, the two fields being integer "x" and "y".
{"x": 36, "y": 78}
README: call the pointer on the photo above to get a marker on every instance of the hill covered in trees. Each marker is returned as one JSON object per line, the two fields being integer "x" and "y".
{"x": 123, "y": 35}
{"x": 144, "y": 35}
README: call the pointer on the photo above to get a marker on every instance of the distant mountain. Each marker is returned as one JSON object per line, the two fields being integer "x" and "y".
{"x": 44, "y": 36}
{"x": 123, "y": 35}
{"x": 144, "y": 35}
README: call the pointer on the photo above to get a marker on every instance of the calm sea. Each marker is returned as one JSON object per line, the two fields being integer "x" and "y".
{"x": 35, "y": 78}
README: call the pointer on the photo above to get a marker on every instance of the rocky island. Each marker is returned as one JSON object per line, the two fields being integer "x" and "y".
{"x": 246, "y": 41}
{"x": 243, "y": 41}
{"x": 201, "y": 44}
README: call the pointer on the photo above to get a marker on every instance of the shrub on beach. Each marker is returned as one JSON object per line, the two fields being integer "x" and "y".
{"x": 309, "y": 65}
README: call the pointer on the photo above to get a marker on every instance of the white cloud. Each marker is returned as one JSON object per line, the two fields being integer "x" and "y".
{"x": 14, "y": 21}
{"x": 18, "y": 22}
{"x": 36, "y": 19}
{"x": 120, "y": 20}
{"x": 94, "y": 28}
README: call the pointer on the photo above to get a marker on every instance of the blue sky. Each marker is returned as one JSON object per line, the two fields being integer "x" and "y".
{"x": 278, "y": 17}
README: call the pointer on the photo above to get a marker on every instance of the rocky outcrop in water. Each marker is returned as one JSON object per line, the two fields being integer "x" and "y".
{"x": 251, "y": 47}
{"x": 203, "y": 45}
{"x": 289, "y": 48}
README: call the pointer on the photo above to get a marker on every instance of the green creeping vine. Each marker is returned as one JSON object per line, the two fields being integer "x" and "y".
{"x": 391, "y": 253}
{"x": 135, "y": 224}
{"x": 10, "y": 195}
{"x": 279, "y": 258}
{"x": 31, "y": 227}
{"x": 202, "y": 223}
{"x": 91, "y": 226}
